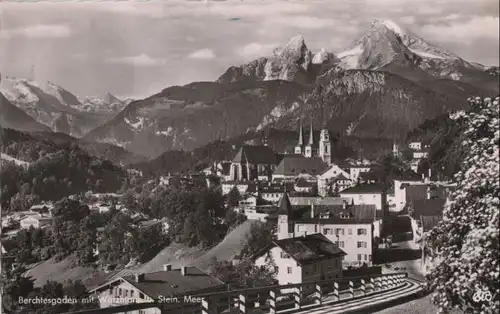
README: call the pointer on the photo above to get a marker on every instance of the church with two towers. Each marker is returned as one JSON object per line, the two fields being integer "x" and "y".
{"x": 322, "y": 148}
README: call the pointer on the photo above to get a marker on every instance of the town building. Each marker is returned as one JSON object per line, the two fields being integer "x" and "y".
{"x": 140, "y": 288}
{"x": 406, "y": 191}
{"x": 253, "y": 163}
{"x": 293, "y": 166}
{"x": 351, "y": 228}
{"x": 333, "y": 178}
{"x": 242, "y": 186}
{"x": 36, "y": 221}
{"x": 369, "y": 194}
{"x": 303, "y": 259}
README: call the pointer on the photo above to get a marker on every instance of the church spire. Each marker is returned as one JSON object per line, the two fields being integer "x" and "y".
{"x": 311, "y": 138}
{"x": 301, "y": 136}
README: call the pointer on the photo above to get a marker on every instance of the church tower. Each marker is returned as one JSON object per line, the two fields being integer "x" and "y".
{"x": 309, "y": 146}
{"x": 325, "y": 147}
{"x": 300, "y": 142}
{"x": 395, "y": 150}
{"x": 285, "y": 222}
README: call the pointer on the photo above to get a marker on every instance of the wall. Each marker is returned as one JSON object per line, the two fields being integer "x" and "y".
{"x": 366, "y": 199}
{"x": 125, "y": 286}
{"x": 350, "y": 240}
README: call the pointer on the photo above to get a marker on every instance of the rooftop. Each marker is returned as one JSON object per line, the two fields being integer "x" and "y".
{"x": 310, "y": 249}
{"x": 365, "y": 189}
{"x": 257, "y": 155}
{"x": 171, "y": 282}
{"x": 294, "y": 165}
{"x": 432, "y": 207}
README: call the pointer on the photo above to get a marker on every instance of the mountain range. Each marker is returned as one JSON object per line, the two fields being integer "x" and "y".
{"x": 383, "y": 85}
{"x": 58, "y": 109}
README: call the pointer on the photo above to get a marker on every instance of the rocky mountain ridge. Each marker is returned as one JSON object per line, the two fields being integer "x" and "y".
{"x": 57, "y": 108}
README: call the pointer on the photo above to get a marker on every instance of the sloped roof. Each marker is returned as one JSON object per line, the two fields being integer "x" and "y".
{"x": 429, "y": 222}
{"x": 304, "y": 200}
{"x": 365, "y": 189}
{"x": 432, "y": 207}
{"x": 259, "y": 155}
{"x": 294, "y": 165}
{"x": 173, "y": 283}
{"x": 310, "y": 249}
{"x": 361, "y": 212}
{"x": 284, "y": 206}
{"x": 303, "y": 183}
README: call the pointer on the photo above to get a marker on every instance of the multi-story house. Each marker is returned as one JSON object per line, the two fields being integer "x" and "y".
{"x": 352, "y": 229}
{"x": 332, "y": 176}
{"x": 303, "y": 259}
{"x": 169, "y": 283}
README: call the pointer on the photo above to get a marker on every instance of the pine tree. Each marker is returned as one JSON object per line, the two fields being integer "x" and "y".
{"x": 465, "y": 244}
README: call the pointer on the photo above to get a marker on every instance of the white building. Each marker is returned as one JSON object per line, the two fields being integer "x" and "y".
{"x": 330, "y": 177}
{"x": 366, "y": 194}
{"x": 351, "y": 229}
{"x": 303, "y": 259}
{"x": 37, "y": 221}
{"x": 242, "y": 186}
{"x": 141, "y": 288}
{"x": 415, "y": 145}
{"x": 356, "y": 170}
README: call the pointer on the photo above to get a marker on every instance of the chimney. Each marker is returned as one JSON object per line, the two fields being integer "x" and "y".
{"x": 430, "y": 173}
{"x": 312, "y": 210}
{"x": 167, "y": 267}
{"x": 184, "y": 270}
{"x": 139, "y": 277}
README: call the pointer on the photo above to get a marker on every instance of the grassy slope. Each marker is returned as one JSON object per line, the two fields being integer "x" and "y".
{"x": 178, "y": 255}
{"x": 175, "y": 254}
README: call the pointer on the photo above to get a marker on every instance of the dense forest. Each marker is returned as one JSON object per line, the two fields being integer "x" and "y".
{"x": 54, "y": 171}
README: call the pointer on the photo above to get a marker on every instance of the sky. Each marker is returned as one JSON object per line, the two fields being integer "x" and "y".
{"x": 137, "y": 48}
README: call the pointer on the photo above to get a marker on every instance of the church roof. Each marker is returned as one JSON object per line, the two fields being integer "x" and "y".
{"x": 257, "y": 155}
{"x": 296, "y": 164}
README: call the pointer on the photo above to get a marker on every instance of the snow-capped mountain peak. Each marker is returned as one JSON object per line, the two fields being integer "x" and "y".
{"x": 390, "y": 25}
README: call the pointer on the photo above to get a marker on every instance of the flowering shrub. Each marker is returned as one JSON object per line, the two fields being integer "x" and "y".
{"x": 466, "y": 242}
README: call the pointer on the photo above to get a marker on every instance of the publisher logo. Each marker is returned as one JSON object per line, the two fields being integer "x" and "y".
{"x": 481, "y": 296}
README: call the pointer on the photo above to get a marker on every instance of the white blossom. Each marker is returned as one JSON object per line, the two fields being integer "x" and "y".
{"x": 466, "y": 241}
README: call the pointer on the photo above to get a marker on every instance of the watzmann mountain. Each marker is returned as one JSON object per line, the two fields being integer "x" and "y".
{"x": 389, "y": 81}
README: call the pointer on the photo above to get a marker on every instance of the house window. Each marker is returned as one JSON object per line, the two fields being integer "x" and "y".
{"x": 359, "y": 257}
{"x": 141, "y": 295}
{"x": 131, "y": 293}
{"x": 361, "y": 244}
{"x": 327, "y": 231}
{"x": 339, "y": 231}
{"x": 289, "y": 270}
{"x": 126, "y": 293}
{"x": 349, "y": 231}
{"x": 370, "y": 257}
{"x": 362, "y": 231}
{"x": 119, "y": 291}
{"x": 340, "y": 243}
{"x": 366, "y": 257}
